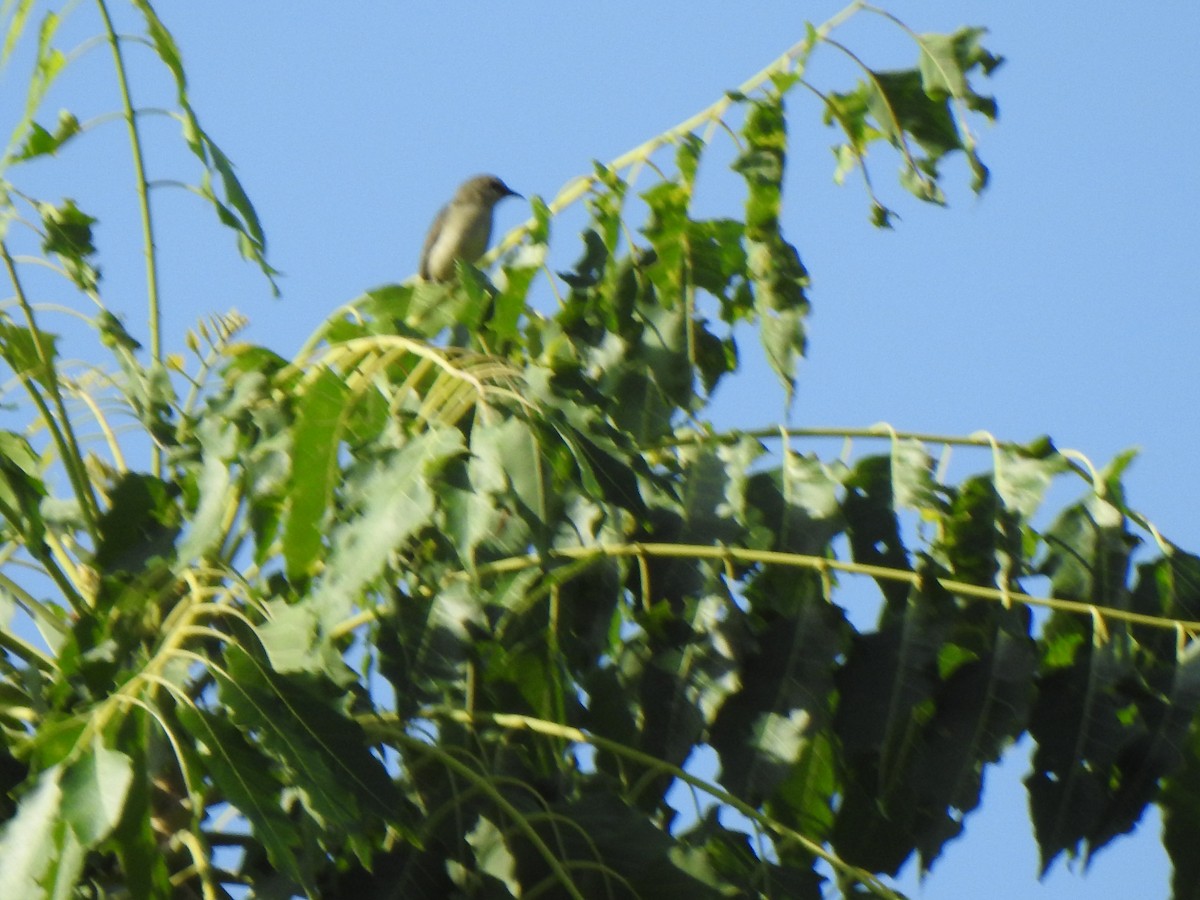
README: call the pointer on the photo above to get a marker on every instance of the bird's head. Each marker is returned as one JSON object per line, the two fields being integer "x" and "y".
{"x": 485, "y": 189}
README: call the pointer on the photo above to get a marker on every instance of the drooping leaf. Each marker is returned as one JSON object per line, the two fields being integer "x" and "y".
{"x": 244, "y": 774}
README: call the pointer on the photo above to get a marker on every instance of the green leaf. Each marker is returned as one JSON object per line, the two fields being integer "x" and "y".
{"x": 49, "y": 64}
{"x": 981, "y": 708}
{"x": 887, "y": 694}
{"x": 668, "y": 210}
{"x": 233, "y": 207}
{"x": 507, "y": 456}
{"x": 164, "y": 45}
{"x": 1022, "y": 479}
{"x": 247, "y": 779}
{"x": 22, "y": 490}
{"x": 762, "y": 164}
{"x": 976, "y": 545}
{"x": 67, "y": 812}
{"x": 718, "y": 262}
{"x": 68, "y": 235}
{"x": 1180, "y": 803}
{"x": 300, "y": 721}
{"x": 1087, "y": 553}
{"x": 32, "y": 841}
{"x": 317, "y": 434}
{"x": 912, "y": 477}
{"x": 946, "y": 60}
{"x": 780, "y": 279}
{"x": 775, "y": 271}
{"x": 41, "y": 142}
{"x": 623, "y": 852}
{"x": 386, "y": 502}
{"x": 591, "y": 265}
{"x": 784, "y": 698}
{"x": 872, "y": 526}
{"x": 134, "y": 841}
{"x": 1157, "y": 748}
{"x": 16, "y": 25}
{"x": 31, "y": 353}
{"x": 140, "y": 524}
{"x": 1085, "y": 724}
{"x": 214, "y": 488}
{"x": 492, "y": 855}
{"x": 93, "y": 793}
{"x": 733, "y": 857}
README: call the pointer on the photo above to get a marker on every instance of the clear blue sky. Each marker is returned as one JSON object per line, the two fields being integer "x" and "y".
{"x": 1066, "y": 300}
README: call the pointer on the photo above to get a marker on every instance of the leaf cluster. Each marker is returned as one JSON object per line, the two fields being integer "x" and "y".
{"x": 470, "y": 598}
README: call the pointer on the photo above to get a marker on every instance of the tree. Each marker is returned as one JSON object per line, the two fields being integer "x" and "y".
{"x": 403, "y": 616}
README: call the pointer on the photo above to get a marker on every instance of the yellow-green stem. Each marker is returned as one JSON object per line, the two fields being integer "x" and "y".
{"x": 143, "y": 191}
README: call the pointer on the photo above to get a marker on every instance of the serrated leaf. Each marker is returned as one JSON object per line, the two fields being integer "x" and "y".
{"x": 385, "y": 505}
{"x": 785, "y": 686}
{"x": 506, "y": 455}
{"x": 666, "y": 229}
{"x": 1082, "y": 730}
{"x": 298, "y": 719}
{"x": 912, "y": 476}
{"x": 233, "y": 207}
{"x": 246, "y": 778}
{"x": 947, "y": 58}
{"x": 872, "y": 525}
{"x": 49, "y": 64}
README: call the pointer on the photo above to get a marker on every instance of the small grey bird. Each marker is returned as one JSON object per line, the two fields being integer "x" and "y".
{"x": 463, "y": 227}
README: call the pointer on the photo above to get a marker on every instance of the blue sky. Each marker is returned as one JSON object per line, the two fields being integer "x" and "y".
{"x": 1065, "y": 301}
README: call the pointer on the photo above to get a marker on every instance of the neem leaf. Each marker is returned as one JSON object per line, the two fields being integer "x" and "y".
{"x": 300, "y": 722}
{"x": 247, "y": 778}
{"x": 315, "y": 471}
{"x": 385, "y": 504}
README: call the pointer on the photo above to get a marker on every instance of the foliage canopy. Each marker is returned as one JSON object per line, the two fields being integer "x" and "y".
{"x": 425, "y": 616}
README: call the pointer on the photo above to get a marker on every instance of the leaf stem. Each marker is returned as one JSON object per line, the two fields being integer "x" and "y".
{"x": 822, "y": 564}
{"x": 514, "y": 722}
{"x": 143, "y": 191}
{"x": 577, "y": 187}
{"x": 57, "y": 422}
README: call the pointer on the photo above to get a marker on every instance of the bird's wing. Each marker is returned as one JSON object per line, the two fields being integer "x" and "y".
{"x": 431, "y": 238}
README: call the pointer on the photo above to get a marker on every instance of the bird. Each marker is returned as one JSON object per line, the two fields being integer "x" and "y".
{"x": 462, "y": 228}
